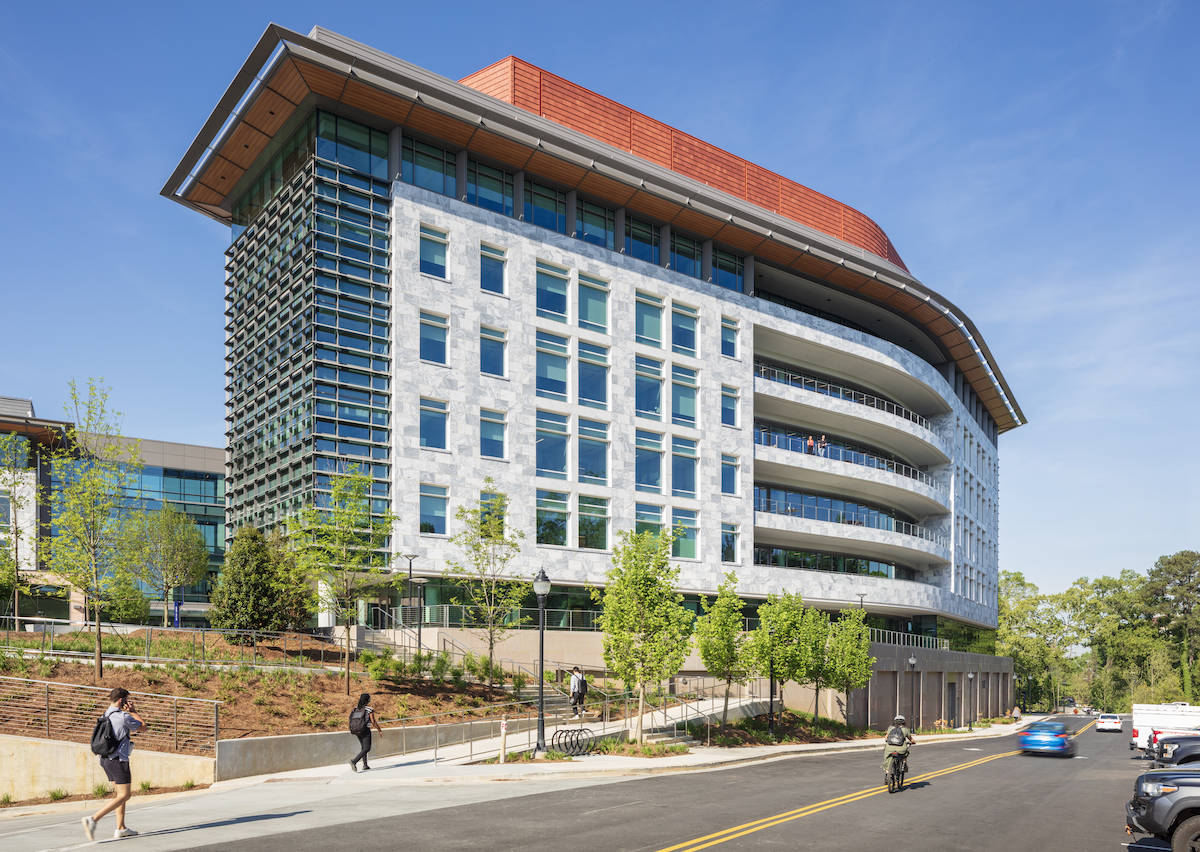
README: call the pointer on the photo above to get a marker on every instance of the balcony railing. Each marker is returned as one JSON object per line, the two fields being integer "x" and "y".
{"x": 827, "y": 388}
{"x": 909, "y": 640}
{"x": 457, "y": 615}
{"x": 796, "y": 444}
{"x": 854, "y": 519}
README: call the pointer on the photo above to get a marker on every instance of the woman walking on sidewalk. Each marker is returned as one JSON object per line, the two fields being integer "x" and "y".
{"x": 361, "y": 720}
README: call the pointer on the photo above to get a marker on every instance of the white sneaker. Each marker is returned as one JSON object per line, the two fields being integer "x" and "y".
{"x": 89, "y": 827}
{"x": 124, "y": 832}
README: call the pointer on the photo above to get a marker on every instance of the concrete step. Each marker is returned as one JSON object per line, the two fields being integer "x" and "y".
{"x": 669, "y": 738}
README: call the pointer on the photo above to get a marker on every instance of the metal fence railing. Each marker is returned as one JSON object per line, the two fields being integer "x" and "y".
{"x": 796, "y": 444}
{"x": 459, "y": 615}
{"x": 816, "y": 384}
{"x": 908, "y": 640}
{"x": 59, "y": 711}
{"x": 872, "y": 520}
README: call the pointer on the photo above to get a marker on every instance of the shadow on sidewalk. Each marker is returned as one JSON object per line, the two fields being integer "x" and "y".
{"x": 221, "y": 823}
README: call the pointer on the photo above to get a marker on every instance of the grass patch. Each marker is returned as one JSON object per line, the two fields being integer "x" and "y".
{"x": 790, "y": 727}
{"x": 627, "y": 749}
{"x": 57, "y": 794}
{"x": 6, "y": 800}
{"x": 145, "y": 786}
{"x": 189, "y": 784}
{"x": 99, "y": 791}
{"x": 527, "y": 757}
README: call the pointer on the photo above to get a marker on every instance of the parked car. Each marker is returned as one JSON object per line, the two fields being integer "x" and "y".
{"x": 1173, "y": 751}
{"x": 1047, "y": 738}
{"x": 1109, "y": 722}
{"x": 1166, "y": 805}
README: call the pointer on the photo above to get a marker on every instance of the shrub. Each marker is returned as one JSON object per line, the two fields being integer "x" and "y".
{"x": 57, "y": 794}
{"x": 189, "y": 784}
{"x": 145, "y": 785}
{"x": 100, "y": 790}
{"x": 519, "y": 679}
{"x": 456, "y": 676}
{"x": 441, "y": 664}
{"x": 6, "y": 800}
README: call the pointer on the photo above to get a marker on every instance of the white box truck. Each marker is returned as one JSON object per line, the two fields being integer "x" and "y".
{"x": 1146, "y": 717}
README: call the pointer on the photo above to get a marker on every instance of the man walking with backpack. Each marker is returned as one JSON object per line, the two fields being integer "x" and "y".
{"x": 110, "y": 740}
{"x": 362, "y": 717}
{"x": 578, "y": 690}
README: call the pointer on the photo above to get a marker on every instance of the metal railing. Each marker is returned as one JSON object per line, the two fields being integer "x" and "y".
{"x": 459, "y": 615}
{"x": 854, "y": 519}
{"x": 796, "y": 444}
{"x": 36, "y": 708}
{"x": 828, "y": 388}
{"x": 908, "y": 640}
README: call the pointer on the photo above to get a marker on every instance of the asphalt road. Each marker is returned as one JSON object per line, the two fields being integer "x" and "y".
{"x": 961, "y": 796}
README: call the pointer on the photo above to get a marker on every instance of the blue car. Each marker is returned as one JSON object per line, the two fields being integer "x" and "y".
{"x": 1047, "y": 738}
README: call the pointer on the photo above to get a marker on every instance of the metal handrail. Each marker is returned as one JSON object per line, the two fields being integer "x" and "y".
{"x": 828, "y": 388}
{"x": 796, "y": 444}
{"x": 908, "y": 640}
{"x": 523, "y": 618}
{"x": 857, "y": 519}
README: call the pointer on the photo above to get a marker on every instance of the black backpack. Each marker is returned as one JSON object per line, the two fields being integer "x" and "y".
{"x": 583, "y": 686}
{"x": 358, "y": 722}
{"x": 104, "y": 739}
{"x": 896, "y": 737}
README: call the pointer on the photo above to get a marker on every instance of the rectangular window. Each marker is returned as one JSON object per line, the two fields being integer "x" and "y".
{"x": 647, "y": 518}
{"x": 593, "y": 375}
{"x": 552, "y": 437}
{"x": 595, "y": 224}
{"x": 683, "y": 522}
{"x": 648, "y": 461}
{"x": 433, "y": 423}
{"x": 683, "y": 329}
{"x": 545, "y": 207}
{"x": 491, "y": 269}
{"x": 489, "y": 187}
{"x": 433, "y": 251}
{"x": 552, "y": 362}
{"x": 647, "y": 392}
{"x": 729, "y": 543}
{"x": 492, "y": 345}
{"x": 433, "y": 338}
{"x": 551, "y": 292}
{"x": 728, "y": 271}
{"x": 686, "y": 255}
{"x": 683, "y": 396}
{"x": 593, "y": 451}
{"x": 729, "y": 337}
{"x": 433, "y": 509}
{"x": 729, "y": 405}
{"x": 491, "y": 506}
{"x": 551, "y": 517}
{"x": 429, "y": 167}
{"x": 729, "y": 474}
{"x": 648, "y": 320}
{"x": 641, "y": 240}
{"x": 491, "y": 433}
{"x": 593, "y": 303}
{"x": 683, "y": 467}
{"x": 593, "y": 523}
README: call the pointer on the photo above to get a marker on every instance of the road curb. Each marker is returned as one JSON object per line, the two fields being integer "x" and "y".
{"x": 92, "y": 804}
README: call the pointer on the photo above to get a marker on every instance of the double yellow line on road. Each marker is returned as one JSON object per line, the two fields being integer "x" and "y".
{"x": 778, "y": 819}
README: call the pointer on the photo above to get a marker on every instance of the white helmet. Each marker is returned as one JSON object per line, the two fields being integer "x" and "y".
{"x": 899, "y": 720}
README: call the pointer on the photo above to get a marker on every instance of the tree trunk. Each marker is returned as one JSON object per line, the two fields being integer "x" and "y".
{"x": 166, "y": 604}
{"x": 725, "y": 709}
{"x": 491, "y": 653}
{"x": 17, "y": 608}
{"x": 347, "y": 656}
{"x": 816, "y": 701}
{"x": 99, "y": 659}
{"x": 641, "y": 711}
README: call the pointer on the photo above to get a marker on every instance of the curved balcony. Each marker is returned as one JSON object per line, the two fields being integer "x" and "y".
{"x": 868, "y": 520}
{"x": 888, "y": 540}
{"x": 828, "y": 388}
{"x": 795, "y": 444}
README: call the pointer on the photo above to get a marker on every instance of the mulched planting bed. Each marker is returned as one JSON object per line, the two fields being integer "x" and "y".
{"x": 88, "y": 797}
{"x": 789, "y": 728}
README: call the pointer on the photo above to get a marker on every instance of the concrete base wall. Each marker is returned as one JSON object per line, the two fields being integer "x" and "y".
{"x": 31, "y": 768}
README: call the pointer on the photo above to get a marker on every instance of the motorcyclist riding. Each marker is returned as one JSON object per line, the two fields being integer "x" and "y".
{"x": 896, "y": 743}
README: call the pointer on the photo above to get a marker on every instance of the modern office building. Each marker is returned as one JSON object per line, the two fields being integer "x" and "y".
{"x": 623, "y": 326}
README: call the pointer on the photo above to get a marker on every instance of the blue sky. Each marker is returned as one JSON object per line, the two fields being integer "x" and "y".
{"x": 1033, "y": 162}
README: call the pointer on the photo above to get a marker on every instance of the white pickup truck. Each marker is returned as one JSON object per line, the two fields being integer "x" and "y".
{"x": 1150, "y": 717}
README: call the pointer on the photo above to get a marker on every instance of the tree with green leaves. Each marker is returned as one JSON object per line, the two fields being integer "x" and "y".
{"x": 97, "y": 469}
{"x": 294, "y": 594}
{"x": 778, "y": 644}
{"x": 721, "y": 638}
{"x": 245, "y": 596}
{"x": 492, "y": 595}
{"x": 18, "y": 500}
{"x": 342, "y": 545}
{"x": 126, "y": 603}
{"x": 166, "y": 550}
{"x": 647, "y": 629}
{"x": 814, "y": 633}
{"x": 1171, "y": 596}
{"x": 850, "y": 659}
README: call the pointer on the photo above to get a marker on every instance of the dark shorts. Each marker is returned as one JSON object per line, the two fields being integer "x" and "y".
{"x": 116, "y": 770}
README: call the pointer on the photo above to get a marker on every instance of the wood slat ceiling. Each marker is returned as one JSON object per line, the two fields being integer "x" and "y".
{"x": 653, "y": 206}
{"x": 739, "y": 238}
{"x": 323, "y": 81}
{"x": 696, "y": 222}
{"x": 376, "y": 102}
{"x": 269, "y": 112}
{"x": 615, "y": 193}
{"x": 287, "y": 82}
{"x": 500, "y": 149}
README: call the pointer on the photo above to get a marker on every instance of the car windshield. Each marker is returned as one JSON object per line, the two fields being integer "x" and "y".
{"x": 1048, "y": 727}
{"x": 1110, "y": 717}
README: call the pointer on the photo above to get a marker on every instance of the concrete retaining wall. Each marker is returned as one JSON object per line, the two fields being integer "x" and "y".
{"x": 30, "y": 768}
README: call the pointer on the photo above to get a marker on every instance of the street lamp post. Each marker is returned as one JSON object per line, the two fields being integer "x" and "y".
{"x": 410, "y": 557}
{"x": 420, "y": 581}
{"x": 862, "y": 596}
{"x": 771, "y": 698}
{"x": 970, "y": 702}
{"x": 541, "y": 588}
{"x": 912, "y": 687}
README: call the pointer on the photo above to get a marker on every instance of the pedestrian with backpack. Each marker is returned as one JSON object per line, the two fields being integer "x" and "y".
{"x": 362, "y": 718}
{"x": 578, "y": 690}
{"x": 110, "y": 740}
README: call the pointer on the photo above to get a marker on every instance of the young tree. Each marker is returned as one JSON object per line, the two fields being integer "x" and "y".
{"x": 850, "y": 653}
{"x": 166, "y": 549}
{"x": 778, "y": 644}
{"x": 647, "y": 630}
{"x": 245, "y": 596}
{"x": 721, "y": 638}
{"x": 814, "y": 633}
{"x": 126, "y": 603}
{"x": 18, "y": 498}
{"x": 489, "y": 545}
{"x": 96, "y": 470}
{"x": 342, "y": 545}
{"x": 294, "y": 598}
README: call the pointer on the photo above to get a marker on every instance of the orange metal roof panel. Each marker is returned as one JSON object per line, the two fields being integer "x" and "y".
{"x": 575, "y": 107}
{"x": 650, "y": 140}
{"x": 762, "y": 187}
{"x": 495, "y": 80}
{"x": 708, "y": 164}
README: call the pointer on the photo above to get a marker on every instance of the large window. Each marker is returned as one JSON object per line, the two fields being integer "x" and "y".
{"x": 433, "y": 509}
{"x": 491, "y": 433}
{"x": 595, "y": 224}
{"x": 552, "y": 361}
{"x": 546, "y": 207}
{"x": 551, "y": 291}
{"x": 433, "y": 423}
{"x": 683, "y": 329}
{"x": 683, "y": 396}
{"x": 489, "y": 187}
{"x": 729, "y": 474}
{"x": 781, "y": 557}
{"x": 729, "y": 337}
{"x": 433, "y": 251}
{"x": 728, "y": 271}
{"x": 647, "y": 518}
{"x": 729, "y": 405}
{"x": 729, "y": 543}
{"x": 641, "y": 240}
{"x": 593, "y": 523}
{"x": 686, "y": 255}
{"x": 353, "y": 145}
{"x": 683, "y": 467}
{"x": 552, "y": 438}
{"x": 492, "y": 345}
{"x": 593, "y": 303}
{"x": 686, "y": 545}
{"x": 593, "y": 375}
{"x": 491, "y": 269}
{"x": 647, "y": 320}
{"x": 593, "y": 451}
{"x": 647, "y": 391}
{"x": 428, "y": 167}
{"x": 433, "y": 337}
{"x": 552, "y": 517}
{"x": 648, "y": 453}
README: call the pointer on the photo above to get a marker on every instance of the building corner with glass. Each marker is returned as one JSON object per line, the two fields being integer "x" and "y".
{"x": 624, "y": 327}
